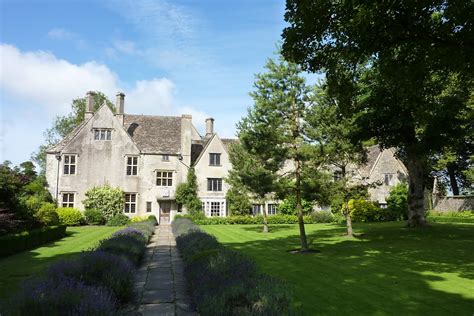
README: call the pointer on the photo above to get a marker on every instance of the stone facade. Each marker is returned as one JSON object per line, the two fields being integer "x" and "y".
{"x": 148, "y": 156}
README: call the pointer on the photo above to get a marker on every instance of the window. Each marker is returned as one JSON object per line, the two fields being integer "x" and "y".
{"x": 214, "y": 184}
{"x": 215, "y": 209}
{"x": 164, "y": 178}
{"x": 130, "y": 202}
{"x": 214, "y": 159}
{"x": 132, "y": 166}
{"x": 165, "y": 157}
{"x": 69, "y": 164}
{"x": 102, "y": 134}
{"x": 68, "y": 200}
{"x": 256, "y": 209}
{"x": 388, "y": 179}
{"x": 148, "y": 207}
{"x": 272, "y": 209}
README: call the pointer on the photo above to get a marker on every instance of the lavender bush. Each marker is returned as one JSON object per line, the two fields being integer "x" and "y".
{"x": 124, "y": 245}
{"x": 101, "y": 269}
{"x": 133, "y": 232}
{"x": 61, "y": 296}
{"x": 194, "y": 243}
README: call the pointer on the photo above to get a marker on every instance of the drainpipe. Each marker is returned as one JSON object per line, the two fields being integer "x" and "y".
{"x": 58, "y": 158}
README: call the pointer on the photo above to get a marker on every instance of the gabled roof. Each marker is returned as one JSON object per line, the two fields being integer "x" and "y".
{"x": 60, "y": 146}
{"x": 199, "y": 146}
{"x": 154, "y": 134}
{"x": 373, "y": 153}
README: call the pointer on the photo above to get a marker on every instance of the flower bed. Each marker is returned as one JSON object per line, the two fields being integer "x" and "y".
{"x": 225, "y": 282}
{"x": 14, "y": 243}
{"x": 95, "y": 283}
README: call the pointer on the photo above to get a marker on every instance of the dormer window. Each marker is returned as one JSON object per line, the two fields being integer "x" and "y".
{"x": 214, "y": 159}
{"x": 165, "y": 157}
{"x": 102, "y": 134}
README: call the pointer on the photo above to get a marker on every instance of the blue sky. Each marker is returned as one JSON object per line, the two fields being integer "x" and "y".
{"x": 168, "y": 57}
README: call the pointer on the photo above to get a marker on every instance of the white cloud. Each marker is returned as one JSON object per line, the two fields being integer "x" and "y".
{"x": 36, "y": 86}
{"x": 126, "y": 47}
{"x": 60, "y": 33}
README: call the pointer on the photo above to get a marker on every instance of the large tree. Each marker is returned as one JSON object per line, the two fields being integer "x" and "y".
{"x": 275, "y": 129}
{"x": 63, "y": 125}
{"x": 332, "y": 131}
{"x": 402, "y": 69}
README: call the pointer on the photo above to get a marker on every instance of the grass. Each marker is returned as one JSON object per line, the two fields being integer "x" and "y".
{"x": 15, "y": 268}
{"x": 389, "y": 270}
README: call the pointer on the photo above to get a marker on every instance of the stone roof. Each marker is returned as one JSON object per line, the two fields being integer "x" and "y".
{"x": 229, "y": 141}
{"x": 154, "y": 134}
{"x": 373, "y": 153}
{"x": 197, "y": 146}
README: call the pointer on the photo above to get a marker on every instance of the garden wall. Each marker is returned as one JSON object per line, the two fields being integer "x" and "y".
{"x": 453, "y": 203}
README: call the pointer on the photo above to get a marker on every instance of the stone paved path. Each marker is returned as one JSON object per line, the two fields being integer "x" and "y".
{"x": 160, "y": 285}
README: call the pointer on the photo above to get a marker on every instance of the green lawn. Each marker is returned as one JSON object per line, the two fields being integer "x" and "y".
{"x": 15, "y": 268}
{"x": 389, "y": 270}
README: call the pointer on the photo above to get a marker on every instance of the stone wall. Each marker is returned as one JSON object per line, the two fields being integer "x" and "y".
{"x": 453, "y": 203}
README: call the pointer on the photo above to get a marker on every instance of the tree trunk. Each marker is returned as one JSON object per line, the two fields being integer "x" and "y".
{"x": 452, "y": 179}
{"x": 265, "y": 222}
{"x": 299, "y": 208}
{"x": 348, "y": 219}
{"x": 416, "y": 189}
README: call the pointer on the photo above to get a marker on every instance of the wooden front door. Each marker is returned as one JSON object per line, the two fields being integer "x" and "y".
{"x": 165, "y": 209}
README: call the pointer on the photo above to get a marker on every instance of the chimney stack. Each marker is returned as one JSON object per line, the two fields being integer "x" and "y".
{"x": 89, "y": 105}
{"x": 119, "y": 105}
{"x": 209, "y": 127}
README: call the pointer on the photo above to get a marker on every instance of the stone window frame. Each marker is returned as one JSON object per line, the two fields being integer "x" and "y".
{"x": 215, "y": 159}
{"x": 69, "y": 201}
{"x": 102, "y": 133}
{"x": 257, "y": 209}
{"x": 272, "y": 208}
{"x": 214, "y": 207}
{"x": 149, "y": 206}
{"x": 131, "y": 165}
{"x": 130, "y": 205}
{"x": 165, "y": 157}
{"x": 389, "y": 178}
{"x": 164, "y": 178}
{"x": 69, "y": 164}
{"x": 214, "y": 184}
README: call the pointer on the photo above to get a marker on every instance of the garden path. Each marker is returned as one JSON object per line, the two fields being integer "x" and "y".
{"x": 160, "y": 284}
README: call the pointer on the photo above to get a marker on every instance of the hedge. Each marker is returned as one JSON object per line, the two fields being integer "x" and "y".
{"x": 95, "y": 283}
{"x": 224, "y": 281}
{"x": 272, "y": 219}
{"x": 451, "y": 216}
{"x": 14, "y": 243}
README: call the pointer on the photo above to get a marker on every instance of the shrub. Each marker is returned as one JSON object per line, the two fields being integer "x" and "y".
{"x": 98, "y": 268}
{"x": 238, "y": 201}
{"x": 225, "y": 282}
{"x": 153, "y": 218}
{"x": 397, "y": 202}
{"x": 70, "y": 216}
{"x": 322, "y": 217}
{"x": 137, "y": 219}
{"x": 10, "y": 244}
{"x": 288, "y": 206}
{"x": 107, "y": 200}
{"x": 94, "y": 217}
{"x": 366, "y": 211}
{"x": 338, "y": 218}
{"x": 147, "y": 228}
{"x": 118, "y": 220}
{"x": 125, "y": 245}
{"x": 451, "y": 216}
{"x": 243, "y": 219}
{"x": 194, "y": 242}
{"x": 47, "y": 214}
{"x": 61, "y": 296}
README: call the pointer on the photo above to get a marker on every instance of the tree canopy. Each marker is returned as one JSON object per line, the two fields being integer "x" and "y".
{"x": 402, "y": 70}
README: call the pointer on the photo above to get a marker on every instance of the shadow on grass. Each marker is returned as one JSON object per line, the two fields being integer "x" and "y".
{"x": 387, "y": 270}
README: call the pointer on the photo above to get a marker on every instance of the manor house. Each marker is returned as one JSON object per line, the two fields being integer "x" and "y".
{"x": 148, "y": 156}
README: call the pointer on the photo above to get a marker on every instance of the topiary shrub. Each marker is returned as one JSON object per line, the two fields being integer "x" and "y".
{"x": 70, "y": 216}
{"x": 118, "y": 220}
{"x": 106, "y": 199}
{"x": 94, "y": 217}
{"x": 322, "y": 217}
{"x": 47, "y": 214}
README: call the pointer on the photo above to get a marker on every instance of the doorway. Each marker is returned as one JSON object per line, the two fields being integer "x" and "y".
{"x": 165, "y": 210}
